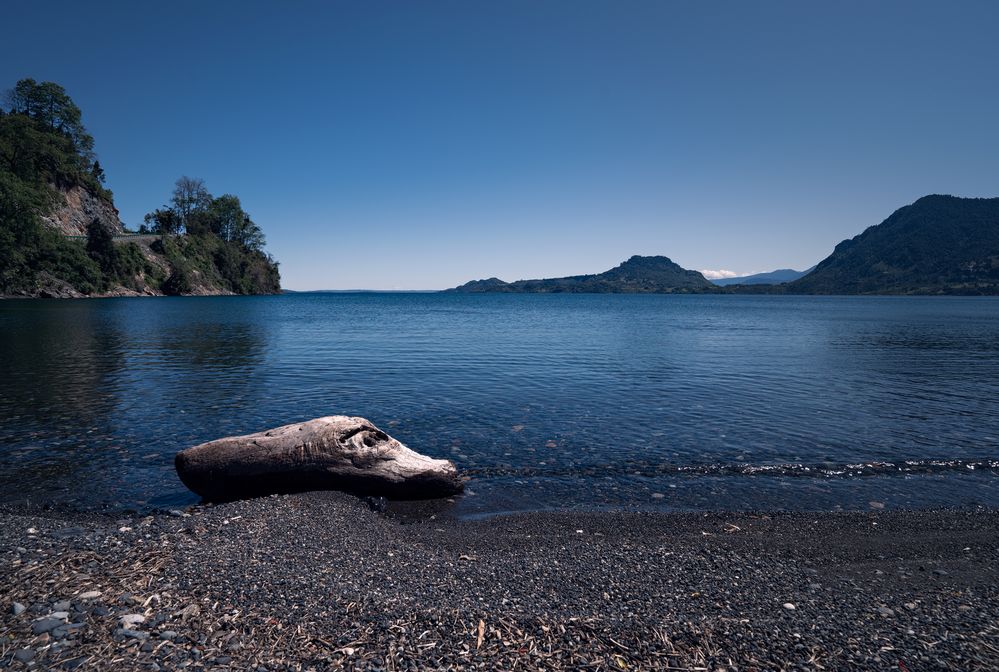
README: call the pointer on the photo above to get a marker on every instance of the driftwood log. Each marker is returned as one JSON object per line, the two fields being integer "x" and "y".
{"x": 336, "y": 452}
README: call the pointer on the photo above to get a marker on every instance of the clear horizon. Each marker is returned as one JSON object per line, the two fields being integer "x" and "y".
{"x": 416, "y": 147}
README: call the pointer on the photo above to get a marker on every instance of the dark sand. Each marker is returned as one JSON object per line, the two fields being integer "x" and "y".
{"x": 319, "y": 581}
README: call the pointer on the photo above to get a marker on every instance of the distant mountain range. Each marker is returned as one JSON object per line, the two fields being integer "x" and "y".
{"x": 937, "y": 245}
{"x": 638, "y": 275}
{"x": 771, "y": 278}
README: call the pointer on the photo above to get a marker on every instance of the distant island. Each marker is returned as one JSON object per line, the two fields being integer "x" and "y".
{"x": 61, "y": 235}
{"x": 638, "y": 275}
{"x": 937, "y": 245}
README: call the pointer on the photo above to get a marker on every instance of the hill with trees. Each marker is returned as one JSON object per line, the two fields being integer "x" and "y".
{"x": 60, "y": 234}
{"x": 637, "y": 275}
{"x": 937, "y": 245}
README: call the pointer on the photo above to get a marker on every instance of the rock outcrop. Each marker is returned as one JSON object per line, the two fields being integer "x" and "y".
{"x": 79, "y": 208}
{"x": 335, "y": 452}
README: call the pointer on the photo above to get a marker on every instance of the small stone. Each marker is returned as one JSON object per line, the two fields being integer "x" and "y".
{"x": 964, "y": 607}
{"x": 223, "y": 660}
{"x": 168, "y": 635}
{"x": 17, "y": 608}
{"x": 62, "y": 605}
{"x": 24, "y": 655}
{"x": 45, "y": 625}
{"x": 910, "y": 606}
{"x": 658, "y": 495}
{"x": 790, "y": 606}
{"x": 886, "y": 612}
{"x": 131, "y": 634}
{"x": 176, "y": 513}
{"x": 129, "y": 620}
{"x": 59, "y": 614}
{"x": 90, "y": 595}
{"x": 62, "y": 632}
{"x": 939, "y": 572}
{"x": 21, "y": 550}
{"x": 146, "y": 647}
{"x": 876, "y": 505}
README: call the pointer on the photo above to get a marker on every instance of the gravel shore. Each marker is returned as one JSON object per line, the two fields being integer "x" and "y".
{"x": 321, "y": 581}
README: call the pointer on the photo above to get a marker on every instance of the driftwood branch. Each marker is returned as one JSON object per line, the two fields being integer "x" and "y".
{"x": 336, "y": 452}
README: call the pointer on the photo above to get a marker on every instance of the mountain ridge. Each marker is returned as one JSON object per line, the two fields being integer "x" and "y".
{"x": 938, "y": 244}
{"x": 768, "y": 278}
{"x": 636, "y": 275}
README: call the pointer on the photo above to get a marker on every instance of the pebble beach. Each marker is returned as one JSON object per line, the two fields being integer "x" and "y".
{"x": 319, "y": 581}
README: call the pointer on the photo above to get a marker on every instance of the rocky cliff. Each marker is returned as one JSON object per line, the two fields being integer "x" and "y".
{"x": 79, "y": 207}
{"x": 52, "y": 195}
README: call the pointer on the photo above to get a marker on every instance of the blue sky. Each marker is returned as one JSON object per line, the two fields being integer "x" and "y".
{"x": 417, "y": 145}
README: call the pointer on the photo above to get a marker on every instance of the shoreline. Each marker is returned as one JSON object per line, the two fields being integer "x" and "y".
{"x": 320, "y": 580}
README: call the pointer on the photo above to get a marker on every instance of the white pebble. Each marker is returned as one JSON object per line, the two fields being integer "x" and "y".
{"x": 128, "y": 620}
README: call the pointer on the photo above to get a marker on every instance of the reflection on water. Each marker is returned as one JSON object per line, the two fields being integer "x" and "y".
{"x": 59, "y": 394}
{"x": 39, "y": 352}
{"x": 546, "y": 401}
{"x": 93, "y": 389}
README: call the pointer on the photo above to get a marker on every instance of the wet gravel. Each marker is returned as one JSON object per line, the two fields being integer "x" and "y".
{"x": 321, "y": 581}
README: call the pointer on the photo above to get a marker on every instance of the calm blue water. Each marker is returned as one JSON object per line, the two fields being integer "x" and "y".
{"x": 546, "y": 401}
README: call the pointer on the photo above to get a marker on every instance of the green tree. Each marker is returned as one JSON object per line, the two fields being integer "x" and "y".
{"x": 226, "y": 217}
{"x": 162, "y": 220}
{"x": 178, "y": 282}
{"x": 19, "y": 231}
{"x": 34, "y": 154}
{"x": 232, "y": 224}
{"x": 48, "y": 104}
{"x": 97, "y": 172}
{"x": 100, "y": 247}
{"x": 250, "y": 236}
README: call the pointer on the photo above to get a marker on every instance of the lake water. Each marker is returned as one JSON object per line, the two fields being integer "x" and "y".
{"x": 545, "y": 401}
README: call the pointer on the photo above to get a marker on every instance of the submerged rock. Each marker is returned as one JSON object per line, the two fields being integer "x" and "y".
{"x": 335, "y": 452}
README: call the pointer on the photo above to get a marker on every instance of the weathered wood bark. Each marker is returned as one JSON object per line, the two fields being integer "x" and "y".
{"x": 336, "y": 452}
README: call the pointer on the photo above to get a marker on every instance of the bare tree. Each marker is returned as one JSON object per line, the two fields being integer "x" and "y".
{"x": 190, "y": 199}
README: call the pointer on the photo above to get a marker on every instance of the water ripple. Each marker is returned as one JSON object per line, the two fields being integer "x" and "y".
{"x": 543, "y": 400}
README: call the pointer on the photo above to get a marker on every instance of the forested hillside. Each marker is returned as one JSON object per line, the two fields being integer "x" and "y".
{"x": 60, "y": 234}
{"x": 937, "y": 245}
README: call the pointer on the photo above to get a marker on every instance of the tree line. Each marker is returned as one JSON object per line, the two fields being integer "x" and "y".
{"x": 43, "y": 135}
{"x": 195, "y": 211}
